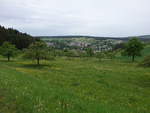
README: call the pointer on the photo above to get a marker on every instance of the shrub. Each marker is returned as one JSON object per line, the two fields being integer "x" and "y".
{"x": 146, "y": 62}
{"x": 100, "y": 55}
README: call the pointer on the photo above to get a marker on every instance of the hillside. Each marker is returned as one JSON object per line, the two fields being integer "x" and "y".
{"x": 144, "y": 37}
{"x": 77, "y": 85}
{"x": 21, "y": 40}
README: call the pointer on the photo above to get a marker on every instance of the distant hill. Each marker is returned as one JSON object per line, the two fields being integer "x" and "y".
{"x": 143, "y": 38}
{"x": 21, "y": 40}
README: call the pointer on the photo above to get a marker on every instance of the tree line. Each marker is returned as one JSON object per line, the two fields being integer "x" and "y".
{"x": 20, "y": 40}
{"x": 39, "y": 50}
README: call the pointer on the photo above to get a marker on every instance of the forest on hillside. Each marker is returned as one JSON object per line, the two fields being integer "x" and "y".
{"x": 21, "y": 40}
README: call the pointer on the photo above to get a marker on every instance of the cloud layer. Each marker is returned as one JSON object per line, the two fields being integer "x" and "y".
{"x": 77, "y": 17}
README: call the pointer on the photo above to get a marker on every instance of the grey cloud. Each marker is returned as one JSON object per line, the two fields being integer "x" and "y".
{"x": 77, "y": 17}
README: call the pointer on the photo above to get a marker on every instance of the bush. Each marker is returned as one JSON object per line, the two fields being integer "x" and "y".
{"x": 100, "y": 55}
{"x": 110, "y": 54}
{"x": 146, "y": 62}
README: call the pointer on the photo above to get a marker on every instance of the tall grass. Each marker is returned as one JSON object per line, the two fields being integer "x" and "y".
{"x": 76, "y": 85}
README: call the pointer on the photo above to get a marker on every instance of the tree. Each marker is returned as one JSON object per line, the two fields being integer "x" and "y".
{"x": 8, "y": 50}
{"x": 133, "y": 48}
{"x": 37, "y": 51}
{"x": 111, "y": 54}
{"x": 119, "y": 46}
{"x": 90, "y": 52}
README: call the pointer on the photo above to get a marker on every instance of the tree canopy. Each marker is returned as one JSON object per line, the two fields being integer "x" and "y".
{"x": 21, "y": 40}
{"x": 133, "y": 48}
{"x": 8, "y": 50}
{"x": 37, "y": 51}
{"x": 89, "y": 52}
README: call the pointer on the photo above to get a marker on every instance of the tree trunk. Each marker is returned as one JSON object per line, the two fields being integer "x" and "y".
{"x": 38, "y": 61}
{"x": 133, "y": 57}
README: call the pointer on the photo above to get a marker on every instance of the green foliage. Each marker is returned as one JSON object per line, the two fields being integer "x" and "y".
{"x": 72, "y": 86}
{"x": 52, "y": 51}
{"x": 100, "y": 55}
{"x": 72, "y": 53}
{"x": 59, "y": 52}
{"x": 111, "y": 54}
{"x": 8, "y": 50}
{"x": 89, "y": 52}
{"x": 133, "y": 48}
{"x": 37, "y": 51}
{"x": 119, "y": 46}
{"x": 146, "y": 62}
{"x": 20, "y": 40}
{"x": 81, "y": 53}
{"x": 69, "y": 53}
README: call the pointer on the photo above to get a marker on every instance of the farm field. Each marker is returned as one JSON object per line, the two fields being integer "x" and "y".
{"x": 74, "y": 85}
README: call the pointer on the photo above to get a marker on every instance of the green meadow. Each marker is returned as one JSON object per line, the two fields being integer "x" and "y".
{"x": 75, "y": 85}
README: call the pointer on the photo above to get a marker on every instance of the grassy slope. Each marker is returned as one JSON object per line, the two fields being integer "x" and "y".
{"x": 74, "y": 86}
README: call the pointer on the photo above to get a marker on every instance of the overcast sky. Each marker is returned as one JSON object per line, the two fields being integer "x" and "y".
{"x": 77, "y": 17}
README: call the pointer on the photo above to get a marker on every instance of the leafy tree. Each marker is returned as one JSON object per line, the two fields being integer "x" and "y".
{"x": 133, "y": 48}
{"x": 59, "y": 52}
{"x": 90, "y": 52}
{"x": 52, "y": 51}
{"x": 119, "y": 46}
{"x": 8, "y": 50}
{"x": 111, "y": 54}
{"x": 37, "y": 51}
